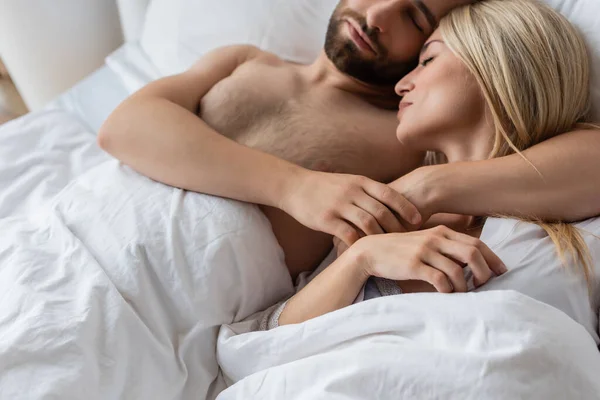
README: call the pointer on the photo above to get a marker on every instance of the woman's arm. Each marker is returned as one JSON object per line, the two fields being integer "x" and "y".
{"x": 568, "y": 188}
{"x": 432, "y": 256}
{"x": 334, "y": 288}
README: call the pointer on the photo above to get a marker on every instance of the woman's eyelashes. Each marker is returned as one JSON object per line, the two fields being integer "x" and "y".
{"x": 426, "y": 61}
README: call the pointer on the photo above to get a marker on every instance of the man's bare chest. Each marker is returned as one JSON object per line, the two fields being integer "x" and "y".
{"x": 318, "y": 129}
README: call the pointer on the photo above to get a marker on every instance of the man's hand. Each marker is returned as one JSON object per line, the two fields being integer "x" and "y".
{"x": 347, "y": 206}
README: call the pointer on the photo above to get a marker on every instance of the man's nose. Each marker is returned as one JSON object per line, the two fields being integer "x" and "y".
{"x": 380, "y": 15}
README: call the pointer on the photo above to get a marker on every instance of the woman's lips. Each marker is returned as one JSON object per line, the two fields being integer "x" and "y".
{"x": 359, "y": 38}
{"x": 403, "y": 106}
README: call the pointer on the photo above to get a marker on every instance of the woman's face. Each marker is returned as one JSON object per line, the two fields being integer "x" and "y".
{"x": 442, "y": 102}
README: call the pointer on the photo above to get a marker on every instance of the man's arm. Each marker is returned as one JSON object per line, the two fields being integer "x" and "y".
{"x": 567, "y": 190}
{"x": 157, "y": 132}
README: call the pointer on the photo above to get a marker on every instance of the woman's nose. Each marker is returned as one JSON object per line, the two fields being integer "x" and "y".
{"x": 405, "y": 86}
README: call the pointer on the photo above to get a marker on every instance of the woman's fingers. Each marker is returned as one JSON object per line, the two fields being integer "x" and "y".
{"x": 470, "y": 255}
{"x": 493, "y": 261}
{"x": 394, "y": 201}
{"x": 434, "y": 277}
{"x": 452, "y": 270}
{"x": 383, "y": 215}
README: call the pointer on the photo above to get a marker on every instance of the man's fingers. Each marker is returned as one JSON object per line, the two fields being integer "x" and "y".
{"x": 492, "y": 260}
{"x": 394, "y": 201}
{"x": 345, "y": 232}
{"x": 434, "y": 277}
{"x": 452, "y": 270}
{"x": 384, "y": 216}
{"x": 362, "y": 220}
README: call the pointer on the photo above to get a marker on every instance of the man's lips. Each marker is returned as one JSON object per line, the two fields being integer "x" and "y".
{"x": 360, "y": 38}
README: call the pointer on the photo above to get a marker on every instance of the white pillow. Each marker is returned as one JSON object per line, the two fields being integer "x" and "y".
{"x": 178, "y": 32}
{"x": 585, "y": 15}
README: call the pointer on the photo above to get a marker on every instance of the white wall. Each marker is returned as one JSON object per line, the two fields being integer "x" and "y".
{"x": 48, "y": 45}
{"x": 133, "y": 13}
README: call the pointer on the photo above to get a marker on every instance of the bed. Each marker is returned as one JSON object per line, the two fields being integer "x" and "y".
{"x": 95, "y": 97}
{"x": 33, "y": 170}
{"x": 122, "y": 306}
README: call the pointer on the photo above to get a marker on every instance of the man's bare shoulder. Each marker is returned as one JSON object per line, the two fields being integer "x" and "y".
{"x": 237, "y": 55}
{"x": 250, "y": 51}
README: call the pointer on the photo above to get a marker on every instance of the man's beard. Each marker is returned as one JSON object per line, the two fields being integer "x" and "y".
{"x": 347, "y": 57}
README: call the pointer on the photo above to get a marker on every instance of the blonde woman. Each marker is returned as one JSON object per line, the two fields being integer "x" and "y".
{"x": 495, "y": 78}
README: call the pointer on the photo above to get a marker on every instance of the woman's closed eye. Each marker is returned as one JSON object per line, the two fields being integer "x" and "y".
{"x": 426, "y": 61}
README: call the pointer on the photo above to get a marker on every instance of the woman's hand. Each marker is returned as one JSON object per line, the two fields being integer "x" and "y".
{"x": 421, "y": 189}
{"x": 436, "y": 256}
{"x": 347, "y": 206}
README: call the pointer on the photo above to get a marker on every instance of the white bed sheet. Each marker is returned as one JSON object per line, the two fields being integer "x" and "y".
{"x": 117, "y": 288}
{"x": 41, "y": 152}
{"x": 94, "y": 98}
{"x": 114, "y": 340}
{"x": 492, "y": 345}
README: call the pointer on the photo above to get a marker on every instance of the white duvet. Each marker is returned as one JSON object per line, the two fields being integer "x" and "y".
{"x": 494, "y": 345}
{"x": 40, "y": 154}
{"x": 116, "y": 287}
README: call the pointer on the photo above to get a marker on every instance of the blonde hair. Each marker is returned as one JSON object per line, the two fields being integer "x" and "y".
{"x": 534, "y": 71}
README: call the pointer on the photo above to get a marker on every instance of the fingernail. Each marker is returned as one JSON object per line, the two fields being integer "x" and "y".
{"x": 416, "y": 219}
{"x": 503, "y": 268}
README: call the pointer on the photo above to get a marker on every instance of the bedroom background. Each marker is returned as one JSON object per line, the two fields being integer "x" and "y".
{"x": 42, "y": 58}
{"x": 62, "y": 57}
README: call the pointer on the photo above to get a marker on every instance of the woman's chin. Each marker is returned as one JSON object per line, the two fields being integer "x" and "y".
{"x": 412, "y": 139}
{"x": 404, "y": 136}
